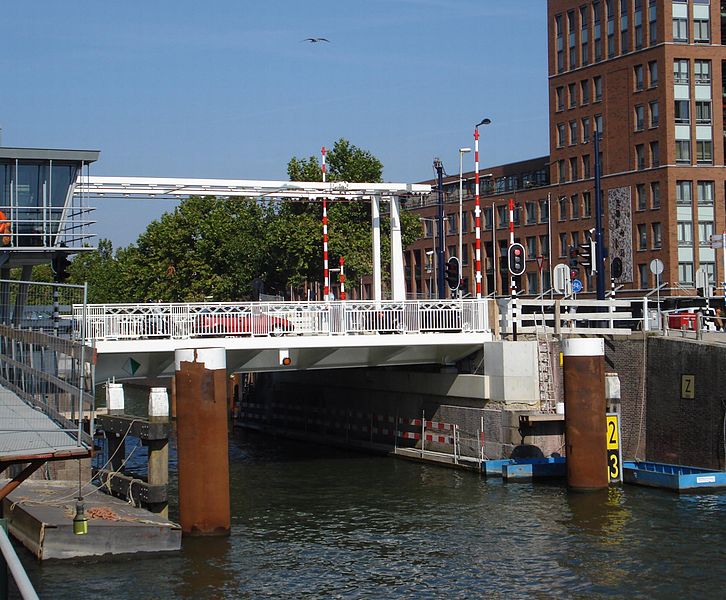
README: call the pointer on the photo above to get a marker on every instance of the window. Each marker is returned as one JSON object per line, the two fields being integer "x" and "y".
{"x": 654, "y": 154}
{"x": 642, "y": 237}
{"x": 685, "y": 233}
{"x": 586, "y": 166}
{"x": 464, "y": 217}
{"x": 682, "y": 111}
{"x": 685, "y": 273}
{"x": 584, "y": 54}
{"x": 643, "y": 276}
{"x": 559, "y": 44}
{"x": 561, "y": 170}
{"x": 544, "y": 214}
{"x": 638, "y": 77}
{"x": 652, "y": 22}
{"x": 575, "y": 205}
{"x": 653, "y": 73}
{"x": 488, "y": 218}
{"x": 563, "y": 244}
{"x": 702, "y": 71}
{"x": 710, "y": 269}
{"x": 531, "y": 209}
{"x": 705, "y": 231}
{"x": 680, "y": 70}
{"x": 586, "y": 130}
{"x": 596, "y": 31}
{"x": 585, "y": 92}
{"x": 573, "y": 133}
{"x": 640, "y": 196}
{"x": 683, "y": 193}
{"x": 532, "y": 283}
{"x": 571, "y": 38}
{"x": 563, "y": 208}
{"x": 653, "y": 106}
{"x": 655, "y": 195}
{"x": 586, "y": 205}
{"x": 573, "y": 169}
{"x": 611, "y": 27}
{"x": 639, "y": 157}
{"x": 560, "y": 91}
{"x": 623, "y": 26}
{"x": 597, "y": 85}
{"x": 680, "y": 29}
{"x": 572, "y": 94}
{"x": 544, "y": 244}
{"x": 704, "y": 193}
{"x": 532, "y": 246}
{"x": 683, "y": 152}
{"x": 703, "y": 112}
{"x": 704, "y": 152}
{"x": 639, "y": 117}
{"x": 560, "y": 135}
{"x": 656, "y": 235}
{"x": 701, "y": 31}
{"x": 638, "y": 24}
{"x": 598, "y": 124}
{"x": 503, "y": 216}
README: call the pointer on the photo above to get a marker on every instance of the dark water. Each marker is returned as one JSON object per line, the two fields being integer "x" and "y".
{"x": 316, "y": 522}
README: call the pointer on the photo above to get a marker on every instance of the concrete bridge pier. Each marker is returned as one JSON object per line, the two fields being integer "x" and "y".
{"x": 585, "y": 425}
{"x": 201, "y": 410}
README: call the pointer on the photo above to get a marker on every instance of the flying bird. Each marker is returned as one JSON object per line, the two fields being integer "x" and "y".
{"x": 315, "y": 40}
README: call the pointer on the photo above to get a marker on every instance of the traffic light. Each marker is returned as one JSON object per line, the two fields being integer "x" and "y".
{"x": 573, "y": 253}
{"x": 516, "y": 259}
{"x": 587, "y": 256}
{"x": 616, "y": 268}
{"x": 574, "y": 273}
{"x": 452, "y": 273}
{"x": 60, "y": 264}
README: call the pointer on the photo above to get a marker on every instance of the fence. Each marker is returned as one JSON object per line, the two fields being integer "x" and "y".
{"x": 175, "y": 320}
{"x": 53, "y": 374}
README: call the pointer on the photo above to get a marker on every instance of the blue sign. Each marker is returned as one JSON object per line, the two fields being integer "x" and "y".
{"x": 576, "y": 286}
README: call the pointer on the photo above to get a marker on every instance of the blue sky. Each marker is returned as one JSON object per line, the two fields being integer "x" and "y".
{"x": 226, "y": 88}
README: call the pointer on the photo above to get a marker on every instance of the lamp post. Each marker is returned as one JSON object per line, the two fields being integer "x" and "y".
{"x": 462, "y": 151}
{"x": 477, "y": 205}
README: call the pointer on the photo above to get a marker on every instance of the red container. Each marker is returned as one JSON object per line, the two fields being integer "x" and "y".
{"x": 682, "y": 321}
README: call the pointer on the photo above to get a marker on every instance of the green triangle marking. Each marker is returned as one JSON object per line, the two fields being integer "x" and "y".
{"x": 131, "y": 366}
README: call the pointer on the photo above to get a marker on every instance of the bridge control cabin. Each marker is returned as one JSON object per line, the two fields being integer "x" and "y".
{"x": 40, "y": 214}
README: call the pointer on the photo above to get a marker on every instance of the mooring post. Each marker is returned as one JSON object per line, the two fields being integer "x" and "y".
{"x": 201, "y": 404}
{"x": 159, "y": 449}
{"x": 585, "y": 424}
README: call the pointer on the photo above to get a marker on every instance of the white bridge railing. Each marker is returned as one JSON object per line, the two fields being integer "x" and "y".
{"x": 176, "y": 320}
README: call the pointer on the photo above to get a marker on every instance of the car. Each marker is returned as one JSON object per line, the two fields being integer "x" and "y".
{"x": 242, "y": 324}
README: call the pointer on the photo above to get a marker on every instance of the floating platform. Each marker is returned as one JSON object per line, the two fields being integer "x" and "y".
{"x": 40, "y": 516}
{"x": 672, "y": 477}
{"x": 525, "y": 469}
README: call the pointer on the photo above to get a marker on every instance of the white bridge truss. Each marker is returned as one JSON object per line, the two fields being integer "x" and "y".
{"x": 178, "y": 188}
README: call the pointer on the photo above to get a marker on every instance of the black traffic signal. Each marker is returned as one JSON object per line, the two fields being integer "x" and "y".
{"x": 60, "y": 264}
{"x": 574, "y": 273}
{"x": 616, "y": 268}
{"x": 587, "y": 256}
{"x": 516, "y": 259}
{"x": 573, "y": 253}
{"x": 452, "y": 273}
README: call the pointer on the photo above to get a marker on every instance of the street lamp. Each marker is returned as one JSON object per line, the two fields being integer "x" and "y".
{"x": 462, "y": 151}
{"x": 477, "y": 205}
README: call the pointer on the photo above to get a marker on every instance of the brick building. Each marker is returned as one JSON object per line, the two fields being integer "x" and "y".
{"x": 646, "y": 75}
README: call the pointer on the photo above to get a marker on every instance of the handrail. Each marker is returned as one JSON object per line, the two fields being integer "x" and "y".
{"x": 25, "y": 587}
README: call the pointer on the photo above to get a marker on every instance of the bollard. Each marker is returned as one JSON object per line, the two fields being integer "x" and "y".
{"x": 159, "y": 449}
{"x": 585, "y": 425}
{"x": 201, "y": 405}
{"x": 115, "y": 398}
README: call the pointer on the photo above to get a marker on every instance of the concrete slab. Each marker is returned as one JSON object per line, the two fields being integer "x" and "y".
{"x": 40, "y": 516}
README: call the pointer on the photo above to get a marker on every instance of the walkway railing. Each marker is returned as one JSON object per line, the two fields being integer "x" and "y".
{"x": 181, "y": 320}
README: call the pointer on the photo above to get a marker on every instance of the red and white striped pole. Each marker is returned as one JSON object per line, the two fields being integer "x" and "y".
{"x": 477, "y": 213}
{"x": 512, "y": 281}
{"x": 326, "y": 272}
{"x": 342, "y": 279}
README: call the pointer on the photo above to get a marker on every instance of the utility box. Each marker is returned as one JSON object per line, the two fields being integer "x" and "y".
{"x": 686, "y": 320}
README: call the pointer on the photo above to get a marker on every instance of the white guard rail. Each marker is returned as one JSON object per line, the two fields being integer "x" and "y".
{"x": 601, "y": 317}
{"x": 176, "y": 320}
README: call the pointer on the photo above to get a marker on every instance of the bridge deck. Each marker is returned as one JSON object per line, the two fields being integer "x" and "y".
{"x": 28, "y": 434}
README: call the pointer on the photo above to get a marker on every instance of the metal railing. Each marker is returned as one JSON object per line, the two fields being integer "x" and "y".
{"x": 43, "y": 366}
{"x": 176, "y": 320}
{"x": 13, "y": 564}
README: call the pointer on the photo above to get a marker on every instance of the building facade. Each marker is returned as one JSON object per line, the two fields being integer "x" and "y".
{"x": 646, "y": 75}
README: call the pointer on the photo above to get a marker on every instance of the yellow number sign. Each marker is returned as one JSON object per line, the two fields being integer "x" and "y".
{"x": 613, "y": 448}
